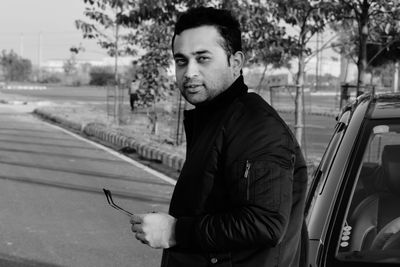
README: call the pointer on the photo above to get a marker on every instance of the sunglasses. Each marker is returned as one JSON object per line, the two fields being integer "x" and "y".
{"x": 112, "y": 204}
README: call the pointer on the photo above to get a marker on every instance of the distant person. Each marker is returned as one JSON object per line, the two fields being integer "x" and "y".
{"x": 133, "y": 94}
{"x": 239, "y": 199}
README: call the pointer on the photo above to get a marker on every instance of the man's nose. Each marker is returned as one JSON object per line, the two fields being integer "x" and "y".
{"x": 192, "y": 69}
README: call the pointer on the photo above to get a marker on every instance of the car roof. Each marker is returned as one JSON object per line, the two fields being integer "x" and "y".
{"x": 380, "y": 106}
{"x": 384, "y": 106}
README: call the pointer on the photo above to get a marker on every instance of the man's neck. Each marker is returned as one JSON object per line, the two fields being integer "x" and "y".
{"x": 236, "y": 88}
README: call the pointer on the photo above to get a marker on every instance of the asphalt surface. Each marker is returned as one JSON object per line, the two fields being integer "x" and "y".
{"x": 52, "y": 208}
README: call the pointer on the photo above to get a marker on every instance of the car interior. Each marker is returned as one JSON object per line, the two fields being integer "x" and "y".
{"x": 373, "y": 220}
{"x": 377, "y": 216}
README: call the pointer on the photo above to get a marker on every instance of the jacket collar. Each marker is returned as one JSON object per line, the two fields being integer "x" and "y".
{"x": 196, "y": 119}
{"x": 225, "y": 98}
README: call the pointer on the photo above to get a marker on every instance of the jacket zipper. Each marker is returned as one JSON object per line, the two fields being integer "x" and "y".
{"x": 246, "y": 176}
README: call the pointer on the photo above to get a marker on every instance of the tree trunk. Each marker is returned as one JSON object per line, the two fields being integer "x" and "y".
{"x": 396, "y": 77}
{"x": 361, "y": 65}
{"x": 116, "y": 94}
{"x": 258, "y": 89}
{"x": 299, "y": 102}
{"x": 154, "y": 128}
{"x": 362, "y": 53}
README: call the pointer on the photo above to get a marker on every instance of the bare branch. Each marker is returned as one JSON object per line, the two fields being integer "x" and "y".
{"x": 383, "y": 48}
{"x": 322, "y": 48}
{"x": 303, "y": 29}
{"x": 353, "y": 59}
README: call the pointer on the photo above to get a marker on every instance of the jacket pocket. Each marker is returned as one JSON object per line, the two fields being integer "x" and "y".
{"x": 237, "y": 182}
{"x": 246, "y": 177}
{"x": 262, "y": 182}
{"x": 271, "y": 184}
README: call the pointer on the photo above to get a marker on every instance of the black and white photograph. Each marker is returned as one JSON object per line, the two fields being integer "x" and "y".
{"x": 230, "y": 133}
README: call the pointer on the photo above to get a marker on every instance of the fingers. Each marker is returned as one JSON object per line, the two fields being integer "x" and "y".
{"x": 137, "y": 223}
{"x": 141, "y": 237}
{"x": 143, "y": 227}
{"x": 136, "y": 218}
{"x": 139, "y": 234}
{"x": 137, "y": 228}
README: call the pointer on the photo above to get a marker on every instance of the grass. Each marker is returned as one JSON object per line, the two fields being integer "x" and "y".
{"x": 136, "y": 125}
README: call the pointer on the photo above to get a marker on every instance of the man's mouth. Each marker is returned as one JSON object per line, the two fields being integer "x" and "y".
{"x": 192, "y": 88}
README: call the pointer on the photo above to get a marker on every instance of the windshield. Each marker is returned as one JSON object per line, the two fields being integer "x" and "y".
{"x": 371, "y": 231}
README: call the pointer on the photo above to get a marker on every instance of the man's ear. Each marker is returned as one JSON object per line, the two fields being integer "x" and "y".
{"x": 237, "y": 62}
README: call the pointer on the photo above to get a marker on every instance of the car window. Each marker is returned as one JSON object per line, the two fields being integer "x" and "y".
{"x": 322, "y": 170}
{"x": 371, "y": 230}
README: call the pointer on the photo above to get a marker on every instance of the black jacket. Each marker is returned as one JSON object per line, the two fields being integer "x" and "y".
{"x": 240, "y": 197}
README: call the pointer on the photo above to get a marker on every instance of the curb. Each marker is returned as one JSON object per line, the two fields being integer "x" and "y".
{"x": 24, "y": 87}
{"x": 101, "y": 132}
{"x": 67, "y": 123}
{"x": 331, "y": 114}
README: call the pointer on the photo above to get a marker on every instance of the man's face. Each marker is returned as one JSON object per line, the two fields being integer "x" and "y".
{"x": 201, "y": 64}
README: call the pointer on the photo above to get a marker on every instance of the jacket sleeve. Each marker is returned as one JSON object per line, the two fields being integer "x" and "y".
{"x": 258, "y": 173}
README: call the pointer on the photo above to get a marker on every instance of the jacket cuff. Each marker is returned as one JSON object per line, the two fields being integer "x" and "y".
{"x": 185, "y": 232}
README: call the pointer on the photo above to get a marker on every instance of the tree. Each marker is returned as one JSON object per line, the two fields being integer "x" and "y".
{"x": 153, "y": 67}
{"x": 101, "y": 76}
{"x": 264, "y": 38}
{"x": 70, "y": 65}
{"x": 307, "y": 18}
{"x": 379, "y": 54}
{"x": 363, "y": 18}
{"x": 105, "y": 27}
{"x": 385, "y": 50}
{"x": 264, "y": 41}
{"x": 15, "y": 68}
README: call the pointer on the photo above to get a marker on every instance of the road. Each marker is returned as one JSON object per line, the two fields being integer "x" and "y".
{"x": 317, "y": 133}
{"x": 52, "y": 209}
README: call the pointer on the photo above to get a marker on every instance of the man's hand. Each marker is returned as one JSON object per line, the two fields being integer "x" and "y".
{"x": 154, "y": 229}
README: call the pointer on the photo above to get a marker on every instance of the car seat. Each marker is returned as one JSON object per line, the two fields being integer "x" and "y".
{"x": 380, "y": 209}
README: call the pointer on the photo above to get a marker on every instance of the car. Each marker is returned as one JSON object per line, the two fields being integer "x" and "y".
{"x": 353, "y": 203}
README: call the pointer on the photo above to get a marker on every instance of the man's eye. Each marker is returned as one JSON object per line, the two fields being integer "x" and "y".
{"x": 202, "y": 59}
{"x": 180, "y": 62}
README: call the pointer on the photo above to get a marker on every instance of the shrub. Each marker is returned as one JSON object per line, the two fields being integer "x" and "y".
{"x": 49, "y": 77}
{"x": 78, "y": 79}
{"x": 14, "y": 67}
{"x": 101, "y": 76}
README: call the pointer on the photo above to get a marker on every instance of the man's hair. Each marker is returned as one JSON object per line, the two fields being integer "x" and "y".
{"x": 223, "y": 20}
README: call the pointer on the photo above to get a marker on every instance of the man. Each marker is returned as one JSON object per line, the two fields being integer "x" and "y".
{"x": 133, "y": 96}
{"x": 240, "y": 196}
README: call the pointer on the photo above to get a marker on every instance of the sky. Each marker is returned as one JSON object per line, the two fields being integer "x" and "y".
{"x": 45, "y": 30}
{"x": 24, "y": 22}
